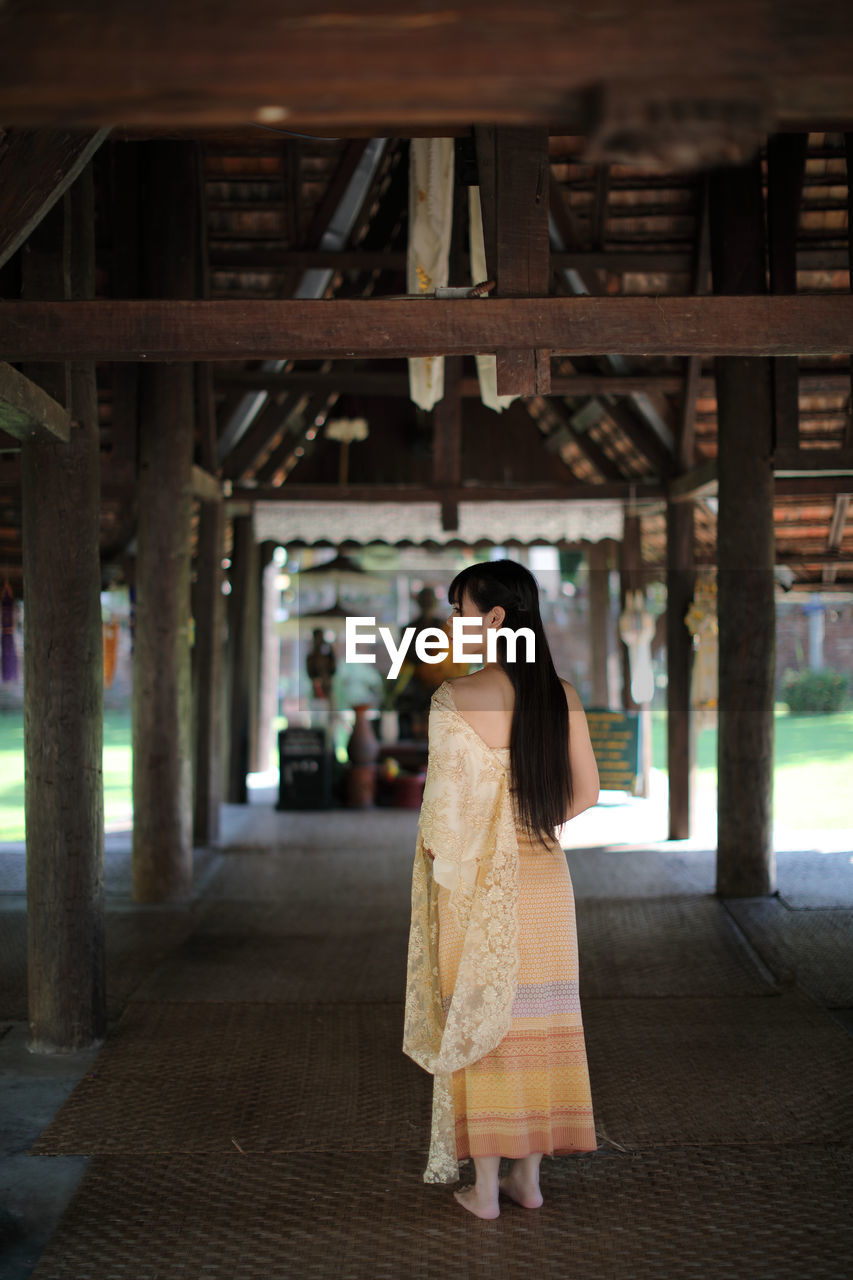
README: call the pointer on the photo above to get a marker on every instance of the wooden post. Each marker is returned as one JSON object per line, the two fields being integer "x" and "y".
{"x": 243, "y": 616}
{"x": 630, "y": 556}
{"x": 63, "y": 666}
{"x": 270, "y": 642}
{"x": 208, "y": 653}
{"x": 745, "y": 555}
{"x": 599, "y": 620}
{"x": 680, "y": 746}
{"x": 162, "y": 764}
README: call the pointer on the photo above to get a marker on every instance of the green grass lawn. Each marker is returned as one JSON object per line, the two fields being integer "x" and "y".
{"x": 118, "y": 809}
{"x": 813, "y": 783}
{"x": 814, "y": 769}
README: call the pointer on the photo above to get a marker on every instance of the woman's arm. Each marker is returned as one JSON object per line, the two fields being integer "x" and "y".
{"x": 581, "y": 756}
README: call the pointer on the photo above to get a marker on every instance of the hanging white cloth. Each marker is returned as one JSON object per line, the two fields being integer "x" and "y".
{"x": 637, "y": 627}
{"x": 486, "y": 365}
{"x": 430, "y": 226}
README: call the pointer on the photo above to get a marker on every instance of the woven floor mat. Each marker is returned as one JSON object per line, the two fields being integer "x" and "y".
{"x": 782, "y": 1215}
{"x": 718, "y": 1071}
{"x": 311, "y": 916}
{"x": 326, "y": 876}
{"x": 262, "y": 826}
{"x": 200, "y": 1077}
{"x": 291, "y": 970}
{"x": 192, "y": 1077}
{"x": 640, "y": 873}
{"x": 809, "y": 879}
{"x": 664, "y": 947}
{"x": 812, "y": 948}
{"x": 135, "y": 941}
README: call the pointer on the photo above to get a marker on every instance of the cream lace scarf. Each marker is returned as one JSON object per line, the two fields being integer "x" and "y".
{"x": 467, "y": 822}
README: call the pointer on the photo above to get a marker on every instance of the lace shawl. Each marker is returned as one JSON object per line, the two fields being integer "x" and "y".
{"x": 467, "y": 822}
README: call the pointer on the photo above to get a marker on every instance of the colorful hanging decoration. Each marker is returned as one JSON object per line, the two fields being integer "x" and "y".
{"x": 111, "y": 634}
{"x": 7, "y": 625}
{"x": 701, "y": 622}
{"x": 637, "y": 627}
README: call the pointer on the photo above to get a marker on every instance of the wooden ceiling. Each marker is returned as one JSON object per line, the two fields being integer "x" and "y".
{"x": 638, "y": 103}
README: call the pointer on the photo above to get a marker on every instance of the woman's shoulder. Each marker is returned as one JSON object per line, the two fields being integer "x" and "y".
{"x": 572, "y": 695}
{"x": 483, "y": 691}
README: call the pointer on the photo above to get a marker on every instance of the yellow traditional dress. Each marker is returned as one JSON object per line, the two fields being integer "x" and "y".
{"x": 492, "y": 1005}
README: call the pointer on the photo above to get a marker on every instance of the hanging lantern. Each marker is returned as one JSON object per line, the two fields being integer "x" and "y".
{"x": 7, "y": 625}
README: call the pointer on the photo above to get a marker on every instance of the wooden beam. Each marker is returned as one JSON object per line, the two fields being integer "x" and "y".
{"x": 158, "y": 330}
{"x": 373, "y": 382}
{"x": 813, "y": 462}
{"x": 205, "y": 487}
{"x": 226, "y": 257}
{"x": 329, "y": 64}
{"x": 694, "y": 484}
{"x": 293, "y": 491}
{"x": 447, "y": 442}
{"x": 836, "y": 534}
{"x": 37, "y": 166}
{"x": 27, "y": 412}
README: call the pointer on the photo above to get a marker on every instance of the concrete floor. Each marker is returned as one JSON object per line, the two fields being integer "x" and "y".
{"x": 802, "y": 938}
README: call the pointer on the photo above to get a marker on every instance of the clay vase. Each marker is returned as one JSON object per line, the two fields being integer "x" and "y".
{"x": 362, "y": 747}
{"x": 362, "y": 750}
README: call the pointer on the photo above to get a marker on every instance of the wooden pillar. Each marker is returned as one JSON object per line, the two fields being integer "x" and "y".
{"x": 630, "y": 560}
{"x": 63, "y": 666}
{"x": 270, "y": 643}
{"x": 745, "y": 555}
{"x": 162, "y": 764}
{"x": 599, "y": 620}
{"x": 680, "y": 746}
{"x": 243, "y": 644}
{"x": 208, "y": 669}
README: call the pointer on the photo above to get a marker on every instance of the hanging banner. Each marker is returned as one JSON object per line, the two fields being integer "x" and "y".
{"x": 430, "y": 224}
{"x": 486, "y": 364}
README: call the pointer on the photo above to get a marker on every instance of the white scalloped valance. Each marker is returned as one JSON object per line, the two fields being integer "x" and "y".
{"x": 415, "y": 522}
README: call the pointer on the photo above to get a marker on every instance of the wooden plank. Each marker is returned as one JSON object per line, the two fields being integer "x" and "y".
{"x": 157, "y": 330}
{"x": 63, "y": 671}
{"x": 317, "y": 65}
{"x": 27, "y": 412}
{"x": 37, "y": 166}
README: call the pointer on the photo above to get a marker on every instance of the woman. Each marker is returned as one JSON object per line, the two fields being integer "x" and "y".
{"x": 492, "y": 1006}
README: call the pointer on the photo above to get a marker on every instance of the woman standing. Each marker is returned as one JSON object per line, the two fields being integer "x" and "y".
{"x": 492, "y": 1007}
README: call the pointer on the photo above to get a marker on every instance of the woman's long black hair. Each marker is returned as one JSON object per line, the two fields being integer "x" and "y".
{"x": 539, "y": 757}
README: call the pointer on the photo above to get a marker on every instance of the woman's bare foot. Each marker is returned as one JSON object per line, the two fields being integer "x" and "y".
{"x": 475, "y": 1201}
{"x": 521, "y": 1189}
